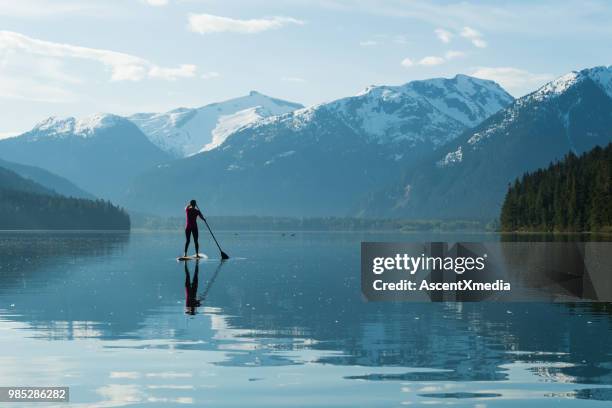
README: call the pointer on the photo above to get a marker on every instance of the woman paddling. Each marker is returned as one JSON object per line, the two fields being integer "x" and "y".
{"x": 191, "y": 226}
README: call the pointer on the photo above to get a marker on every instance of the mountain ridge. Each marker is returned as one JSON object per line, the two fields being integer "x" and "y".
{"x": 322, "y": 159}
{"x": 51, "y": 181}
{"x": 468, "y": 177}
{"x": 102, "y": 152}
{"x": 186, "y": 131}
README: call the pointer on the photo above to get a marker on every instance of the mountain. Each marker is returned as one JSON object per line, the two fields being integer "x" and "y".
{"x": 51, "y": 181}
{"x": 9, "y": 180}
{"x": 322, "y": 160}
{"x": 25, "y": 204}
{"x": 469, "y": 176}
{"x": 184, "y": 131}
{"x": 101, "y": 153}
{"x": 572, "y": 195}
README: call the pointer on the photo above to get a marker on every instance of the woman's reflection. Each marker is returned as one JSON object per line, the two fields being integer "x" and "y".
{"x": 191, "y": 290}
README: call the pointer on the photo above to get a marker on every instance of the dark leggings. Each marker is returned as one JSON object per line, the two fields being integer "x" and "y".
{"x": 188, "y": 233}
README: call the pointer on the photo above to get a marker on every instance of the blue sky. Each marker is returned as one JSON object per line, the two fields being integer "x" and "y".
{"x": 73, "y": 58}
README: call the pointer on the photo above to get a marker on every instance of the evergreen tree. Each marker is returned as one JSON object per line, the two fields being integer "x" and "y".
{"x": 572, "y": 195}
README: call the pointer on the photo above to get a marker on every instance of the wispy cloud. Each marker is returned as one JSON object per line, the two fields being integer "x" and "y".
{"x": 368, "y": 43}
{"x": 385, "y": 39}
{"x": 515, "y": 80}
{"x": 452, "y": 54}
{"x": 293, "y": 79}
{"x": 43, "y": 9}
{"x": 208, "y": 23}
{"x": 171, "y": 74}
{"x": 431, "y": 60}
{"x": 407, "y": 62}
{"x": 474, "y": 36}
{"x": 156, "y": 3}
{"x": 124, "y": 67}
{"x": 443, "y": 35}
{"x": 508, "y": 17}
{"x": 400, "y": 39}
{"x": 210, "y": 75}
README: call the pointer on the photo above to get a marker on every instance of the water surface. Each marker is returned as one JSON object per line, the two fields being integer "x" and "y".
{"x": 282, "y": 323}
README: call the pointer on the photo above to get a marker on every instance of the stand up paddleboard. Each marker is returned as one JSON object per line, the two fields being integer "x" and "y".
{"x": 192, "y": 257}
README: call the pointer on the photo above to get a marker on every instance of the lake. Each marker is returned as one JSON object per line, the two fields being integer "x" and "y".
{"x": 282, "y": 323}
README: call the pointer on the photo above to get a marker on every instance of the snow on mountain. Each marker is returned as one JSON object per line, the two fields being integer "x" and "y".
{"x": 83, "y": 127}
{"x": 185, "y": 131}
{"x": 431, "y": 111}
{"x": 228, "y": 124}
{"x": 101, "y": 153}
{"x": 466, "y": 99}
{"x": 325, "y": 159}
{"x": 602, "y": 76}
{"x": 469, "y": 176}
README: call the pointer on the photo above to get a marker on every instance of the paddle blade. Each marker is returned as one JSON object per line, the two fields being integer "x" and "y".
{"x": 224, "y": 256}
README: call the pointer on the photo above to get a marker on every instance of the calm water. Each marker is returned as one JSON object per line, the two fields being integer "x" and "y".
{"x": 282, "y": 323}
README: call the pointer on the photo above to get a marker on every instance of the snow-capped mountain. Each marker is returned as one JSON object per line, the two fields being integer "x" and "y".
{"x": 99, "y": 153}
{"x": 184, "y": 131}
{"x": 70, "y": 126}
{"x": 469, "y": 177}
{"x": 323, "y": 159}
{"x": 432, "y": 111}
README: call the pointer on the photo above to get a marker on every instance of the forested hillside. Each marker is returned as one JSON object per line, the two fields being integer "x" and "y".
{"x": 574, "y": 194}
{"x": 25, "y": 204}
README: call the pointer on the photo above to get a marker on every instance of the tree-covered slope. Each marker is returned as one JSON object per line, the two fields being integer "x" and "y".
{"x": 51, "y": 181}
{"x": 25, "y": 204}
{"x": 571, "y": 195}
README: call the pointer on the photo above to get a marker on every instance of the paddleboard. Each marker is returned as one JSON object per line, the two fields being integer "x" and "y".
{"x": 192, "y": 257}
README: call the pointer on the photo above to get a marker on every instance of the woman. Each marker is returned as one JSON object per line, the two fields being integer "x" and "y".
{"x": 191, "y": 227}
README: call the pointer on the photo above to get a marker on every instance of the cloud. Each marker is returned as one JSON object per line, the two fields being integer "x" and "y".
{"x": 452, "y": 54}
{"x": 210, "y": 75}
{"x": 156, "y": 3}
{"x": 443, "y": 35}
{"x": 368, "y": 43}
{"x": 474, "y": 36}
{"x": 293, "y": 79}
{"x": 123, "y": 67}
{"x": 431, "y": 60}
{"x": 171, "y": 74}
{"x": 385, "y": 39}
{"x": 407, "y": 62}
{"x": 42, "y": 9}
{"x": 515, "y": 80}
{"x": 208, "y": 23}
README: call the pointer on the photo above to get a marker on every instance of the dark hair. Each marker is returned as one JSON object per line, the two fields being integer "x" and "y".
{"x": 193, "y": 203}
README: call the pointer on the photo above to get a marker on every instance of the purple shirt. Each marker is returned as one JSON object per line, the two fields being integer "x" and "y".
{"x": 192, "y": 217}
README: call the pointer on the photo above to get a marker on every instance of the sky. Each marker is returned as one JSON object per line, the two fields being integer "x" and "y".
{"x": 76, "y": 58}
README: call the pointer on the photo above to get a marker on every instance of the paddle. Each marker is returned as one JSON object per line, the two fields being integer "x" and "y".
{"x": 210, "y": 283}
{"x": 224, "y": 256}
